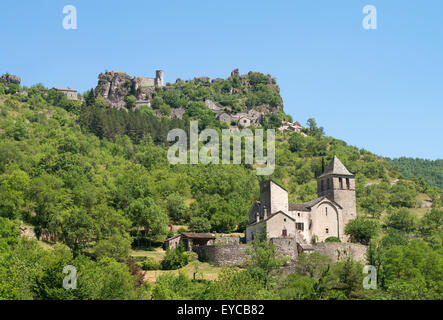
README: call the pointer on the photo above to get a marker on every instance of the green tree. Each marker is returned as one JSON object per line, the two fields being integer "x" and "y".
{"x": 361, "y": 230}
{"x": 176, "y": 206}
{"x": 263, "y": 259}
{"x": 401, "y": 219}
{"x": 199, "y": 224}
{"x": 116, "y": 247}
{"x": 312, "y": 265}
{"x": 403, "y": 195}
{"x": 77, "y": 229}
{"x": 151, "y": 217}
{"x": 13, "y": 188}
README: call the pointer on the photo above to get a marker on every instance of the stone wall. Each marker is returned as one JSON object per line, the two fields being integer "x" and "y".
{"x": 286, "y": 246}
{"x": 340, "y": 251}
{"x": 223, "y": 239}
{"x": 234, "y": 255}
{"x": 223, "y": 255}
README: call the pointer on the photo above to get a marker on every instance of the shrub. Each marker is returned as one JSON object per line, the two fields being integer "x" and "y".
{"x": 12, "y": 103}
{"x": 165, "y": 109}
{"x": 181, "y": 230}
{"x": 150, "y": 264}
{"x": 2, "y": 88}
{"x": 13, "y": 88}
{"x": 332, "y": 239}
{"x": 170, "y": 234}
{"x": 130, "y": 101}
{"x": 175, "y": 259}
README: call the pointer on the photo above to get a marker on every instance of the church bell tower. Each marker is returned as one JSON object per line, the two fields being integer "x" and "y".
{"x": 338, "y": 184}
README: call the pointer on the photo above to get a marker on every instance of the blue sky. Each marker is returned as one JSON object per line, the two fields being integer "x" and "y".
{"x": 381, "y": 89}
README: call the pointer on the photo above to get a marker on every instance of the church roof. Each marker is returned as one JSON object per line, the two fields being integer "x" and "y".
{"x": 336, "y": 167}
{"x": 194, "y": 235}
{"x": 306, "y": 206}
{"x": 272, "y": 216}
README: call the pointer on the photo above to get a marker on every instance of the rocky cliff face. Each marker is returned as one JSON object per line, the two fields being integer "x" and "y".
{"x": 10, "y": 78}
{"x": 114, "y": 87}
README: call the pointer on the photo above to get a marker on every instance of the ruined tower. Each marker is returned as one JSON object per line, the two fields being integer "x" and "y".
{"x": 338, "y": 184}
{"x": 159, "y": 78}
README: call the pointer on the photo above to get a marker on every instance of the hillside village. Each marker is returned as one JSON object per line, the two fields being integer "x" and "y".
{"x": 84, "y": 178}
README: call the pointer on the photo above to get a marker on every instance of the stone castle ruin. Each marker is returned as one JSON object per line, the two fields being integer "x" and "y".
{"x": 115, "y": 86}
{"x": 292, "y": 227}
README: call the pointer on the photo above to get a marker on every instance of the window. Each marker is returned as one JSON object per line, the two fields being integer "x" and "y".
{"x": 299, "y": 226}
{"x": 284, "y": 219}
{"x": 327, "y": 230}
{"x": 298, "y": 214}
{"x": 284, "y": 233}
{"x": 348, "y": 185}
{"x": 326, "y": 211}
{"x": 340, "y": 180}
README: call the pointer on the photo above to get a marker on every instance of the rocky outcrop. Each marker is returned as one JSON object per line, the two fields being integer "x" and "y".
{"x": 10, "y": 78}
{"x": 27, "y": 232}
{"x": 114, "y": 87}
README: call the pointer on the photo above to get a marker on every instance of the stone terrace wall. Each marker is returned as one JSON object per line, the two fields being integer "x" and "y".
{"x": 235, "y": 254}
{"x": 286, "y": 246}
{"x": 224, "y": 239}
{"x": 223, "y": 255}
{"x": 340, "y": 251}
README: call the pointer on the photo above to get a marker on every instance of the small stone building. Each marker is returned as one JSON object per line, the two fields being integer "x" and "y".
{"x": 224, "y": 117}
{"x": 189, "y": 240}
{"x": 172, "y": 242}
{"x": 72, "y": 94}
{"x": 244, "y": 122}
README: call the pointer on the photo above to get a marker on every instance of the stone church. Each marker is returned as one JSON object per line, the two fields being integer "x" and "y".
{"x": 312, "y": 221}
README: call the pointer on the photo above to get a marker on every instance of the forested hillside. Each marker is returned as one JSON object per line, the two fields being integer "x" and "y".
{"x": 430, "y": 170}
{"x": 96, "y": 181}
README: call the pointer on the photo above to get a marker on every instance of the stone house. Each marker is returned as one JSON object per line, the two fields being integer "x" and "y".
{"x": 224, "y": 117}
{"x": 244, "y": 122}
{"x": 293, "y": 127}
{"x": 213, "y": 106}
{"x": 242, "y": 119}
{"x": 312, "y": 221}
{"x": 172, "y": 242}
{"x": 72, "y": 94}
